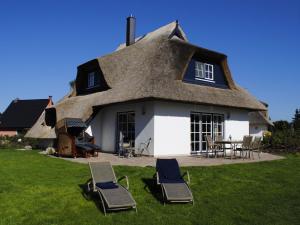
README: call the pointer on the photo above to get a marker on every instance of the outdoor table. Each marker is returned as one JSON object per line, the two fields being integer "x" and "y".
{"x": 233, "y": 144}
{"x": 129, "y": 152}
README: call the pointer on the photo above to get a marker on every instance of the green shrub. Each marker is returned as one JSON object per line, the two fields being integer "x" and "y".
{"x": 18, "y": 141}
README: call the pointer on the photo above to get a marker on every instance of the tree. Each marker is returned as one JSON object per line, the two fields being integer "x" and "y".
{"x": 296, "y": 122}
{"x": 281, "y": 125}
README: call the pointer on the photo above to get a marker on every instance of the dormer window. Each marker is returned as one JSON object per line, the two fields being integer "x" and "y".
{"x": 204, "y": 71}
{"x": 92, "y": 80}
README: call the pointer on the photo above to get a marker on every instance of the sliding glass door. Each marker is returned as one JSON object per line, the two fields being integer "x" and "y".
{"x": 126, "y": 126}
{"x": 205, "y": 124}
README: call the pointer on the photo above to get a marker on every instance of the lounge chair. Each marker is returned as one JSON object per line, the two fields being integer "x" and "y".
{"x": 113, "y": 195}
{"x": 173, "y": 186}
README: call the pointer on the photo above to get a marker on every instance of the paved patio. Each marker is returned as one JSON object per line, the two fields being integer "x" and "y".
{"x": 183, "y": 160}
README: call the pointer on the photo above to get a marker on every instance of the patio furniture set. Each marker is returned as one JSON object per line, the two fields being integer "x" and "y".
{"x": 246, "y": 148}
{"x": 126, "y": 149}
{"x": 115, "y": 196}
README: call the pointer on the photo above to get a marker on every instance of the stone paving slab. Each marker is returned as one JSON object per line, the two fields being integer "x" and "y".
{"x": 182, "y": 160}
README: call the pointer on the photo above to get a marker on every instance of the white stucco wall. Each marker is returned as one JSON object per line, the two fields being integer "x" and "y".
{"x": 167, "y": 123}
{"x": 172, "y": 125}
{"x": 257, "y": 129}
{"x": 104, "y": 125}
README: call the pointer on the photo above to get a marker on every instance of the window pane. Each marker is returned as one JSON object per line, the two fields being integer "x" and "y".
{"x": 192, "y": 117}
{"x": 131, "y": 117}
{"x": 197, "y": 118}
{"x": 197, "y": 127}
{"x": 197, "y": 146}
{"x": 197, "y": 138}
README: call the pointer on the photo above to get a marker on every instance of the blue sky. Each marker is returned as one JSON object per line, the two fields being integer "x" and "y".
{"x": 42, "y": 42}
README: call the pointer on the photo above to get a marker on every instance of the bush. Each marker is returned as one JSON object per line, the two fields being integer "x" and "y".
{"x": 284, "y": 140}
{"x": 18, "y": 141}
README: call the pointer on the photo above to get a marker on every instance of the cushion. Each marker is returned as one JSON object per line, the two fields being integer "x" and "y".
{"x": 168, "y": 171}
{"x": 107, "y": 185}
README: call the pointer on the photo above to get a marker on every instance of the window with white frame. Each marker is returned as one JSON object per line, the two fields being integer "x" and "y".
{"x": 205, "y": 124}
{"x": 91, "y": 80}
{"x": 204, "y": 71}
{"x": 199, "y": 70}
{"x": 209, "y": 71}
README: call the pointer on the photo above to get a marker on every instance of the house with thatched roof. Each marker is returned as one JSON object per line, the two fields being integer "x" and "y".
{"x": 21, "y": 115}
{"x": 157, "y": 86}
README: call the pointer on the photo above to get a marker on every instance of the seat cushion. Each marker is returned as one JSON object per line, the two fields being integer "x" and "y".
{"x": 168, "y": 171}
{"x": 107, "y": 185}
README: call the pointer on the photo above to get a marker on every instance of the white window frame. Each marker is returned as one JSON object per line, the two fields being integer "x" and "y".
{"x": 91, "y": 79}
{"x": 197, "y": 135}
{"x": 207, "y": 71}
{"x": 199, "y": 70}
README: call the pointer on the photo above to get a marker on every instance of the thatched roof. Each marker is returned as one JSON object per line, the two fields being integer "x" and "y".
{"x": 259, "y": 118}
{"x": 154, "y": 67}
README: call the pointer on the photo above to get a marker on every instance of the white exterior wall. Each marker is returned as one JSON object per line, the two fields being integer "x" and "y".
{"x": 167, "y": 123}
{"x": 104, "y": 125}
{"x": 172, "y": 126}
{"x": 258, "y": 129}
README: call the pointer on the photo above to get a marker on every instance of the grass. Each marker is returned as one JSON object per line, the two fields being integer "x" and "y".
{"x": 36, "y": 189}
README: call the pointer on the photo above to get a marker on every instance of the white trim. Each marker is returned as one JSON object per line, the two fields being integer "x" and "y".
{"x": 203, "y": 74}
{"x": 207, "y": 80}
{"x": 91, "y": 80}
{"x": 208, "y": 71}
{"x": 93, "y": 86}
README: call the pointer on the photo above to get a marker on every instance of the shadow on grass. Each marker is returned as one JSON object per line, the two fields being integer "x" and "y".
{"x": 153, "y": 188}
{"x": 89, "y": 195}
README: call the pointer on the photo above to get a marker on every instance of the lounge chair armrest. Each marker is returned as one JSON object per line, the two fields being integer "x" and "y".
{"x": 188, "y": 176}
{"x": 89, "y": 182}
{"x": 127, "y": 181}
{"x": 156, "y": 176}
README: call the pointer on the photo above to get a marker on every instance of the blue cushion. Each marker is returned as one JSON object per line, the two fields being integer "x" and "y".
{"x": 107, "y": 185}
{"x": 168, "y": 171}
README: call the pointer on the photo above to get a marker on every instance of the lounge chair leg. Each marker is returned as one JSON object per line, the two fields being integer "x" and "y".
{"x": 103, "y": 206}
{"x": 163, "y": 194}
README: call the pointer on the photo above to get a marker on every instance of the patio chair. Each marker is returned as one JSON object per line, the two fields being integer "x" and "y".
{"x": 143, "y": 147}
{"x": 113, "y": 195}
{"x": 173, "y": 186}
{"x": 211, "y": 147}
{"x": 223, "y": 147}
{"x": 245, "y": 148}
{"x": 220, "y": 148}
{"x": 256, "y": 147}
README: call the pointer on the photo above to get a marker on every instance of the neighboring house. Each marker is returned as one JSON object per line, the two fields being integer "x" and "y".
{"x": 157, "y": 86}
{"x": 21, "y": 115}
{"x": 259, "y": 122}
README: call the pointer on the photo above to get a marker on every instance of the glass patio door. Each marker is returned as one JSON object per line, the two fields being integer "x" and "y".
{"x": 206, "y": 130}
{"x": 126, "y": 126}
{"x": 204, "y": 124}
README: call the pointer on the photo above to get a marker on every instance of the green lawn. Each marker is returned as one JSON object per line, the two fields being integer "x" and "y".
{"x": 36, "y": 189}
